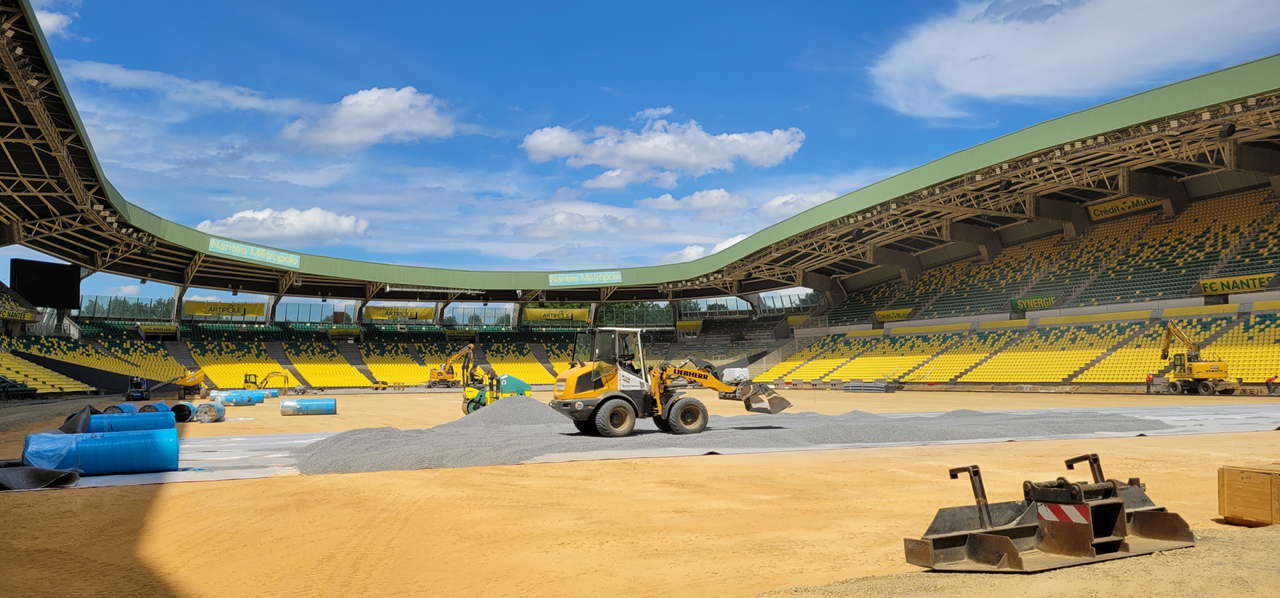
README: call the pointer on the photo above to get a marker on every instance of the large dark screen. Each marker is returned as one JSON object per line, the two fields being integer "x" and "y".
{"x": 46, "y": 285}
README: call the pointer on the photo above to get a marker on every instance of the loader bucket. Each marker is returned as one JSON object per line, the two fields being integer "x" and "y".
{"x": 759, "y": 398}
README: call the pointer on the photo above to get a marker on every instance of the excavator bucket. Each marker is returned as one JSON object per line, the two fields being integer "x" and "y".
{"x": 759, "y": 398}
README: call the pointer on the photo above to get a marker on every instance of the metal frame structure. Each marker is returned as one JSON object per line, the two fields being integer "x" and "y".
{"x": 55, "y": 199}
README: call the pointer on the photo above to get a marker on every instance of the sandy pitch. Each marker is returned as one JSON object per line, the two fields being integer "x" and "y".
{"x": 696, "y": 526}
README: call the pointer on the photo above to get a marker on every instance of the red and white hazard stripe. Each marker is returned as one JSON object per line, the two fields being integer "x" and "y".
{"x": 1049, "y": 511}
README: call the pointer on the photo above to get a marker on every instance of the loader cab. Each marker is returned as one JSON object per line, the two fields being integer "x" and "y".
{"x": 1179, "y": 363}
{"x": 614, "y": 350}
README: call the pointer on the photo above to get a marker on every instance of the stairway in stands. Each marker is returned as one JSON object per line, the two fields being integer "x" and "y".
{"x": 105, "y": 351}
{"x": 951, "y": 345}
{"x": 1241, "y": 243}
{"x": 412, "y": 349}
{"x": 540, "y": 353}
{"x": 1120, "y": 251}
{"x": 1109, "y": 352}
{"x": 351, "y": 352}
{"x": 482, "y": 362}
{"x": 995, "y": 351}
{"x": 275, "y": 350}
{"x": 181, "y": 353}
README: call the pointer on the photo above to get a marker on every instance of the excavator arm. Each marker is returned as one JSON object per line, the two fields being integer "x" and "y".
{"x": 1173, "y": 331}
{"x": 448, "y": 363}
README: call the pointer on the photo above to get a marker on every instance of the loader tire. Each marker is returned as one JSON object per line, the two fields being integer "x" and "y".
{"x": 587, "y": 428}
{"x": 661, "y": 422}
{"x": 615, "y": 418}
{"x": 688, "y": 416}
{"x": 1229, "y": 391}
{"x": 1175, "y": 387}
{"x": 1205, "y": 387}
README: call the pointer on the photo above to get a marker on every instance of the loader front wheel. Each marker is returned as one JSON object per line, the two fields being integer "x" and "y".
{"x": 688, "y": 416}
{"x": 615, "y": 418}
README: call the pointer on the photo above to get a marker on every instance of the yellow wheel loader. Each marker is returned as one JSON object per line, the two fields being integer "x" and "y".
{"x": 609, "y": 386}
{"x": 1190, "y": 373}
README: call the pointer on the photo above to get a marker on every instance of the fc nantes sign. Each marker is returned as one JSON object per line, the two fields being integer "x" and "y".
{"x": 556, "y": 315}
{"x": 205, "y": 308}
{"x": 374, "y": 312}
{"x": 1030, "y": 303}
{"x": 1117, "y": 207}
{"x": 892, "y": 315}
{"x": 1237, "y": 284}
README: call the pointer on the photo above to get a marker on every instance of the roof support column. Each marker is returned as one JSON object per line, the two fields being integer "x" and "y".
{"x": 359, "y": 311}
{"x": 591, "y": 315}
{"x": 179, "y": 292}
{"x": 1074, "y": 218}
{"x": 273, "y": 301}
{"x": 985, "y": 239}
{"x": 438, "y": 318}
{"x": 1168, "y": 190}
{"x": 753, "y": 300}
{"x": 826, "y": 285}
{"x": 907, "y": 265}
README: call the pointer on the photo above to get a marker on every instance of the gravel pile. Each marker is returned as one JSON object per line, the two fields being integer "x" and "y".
{"x": 517, "y": 429}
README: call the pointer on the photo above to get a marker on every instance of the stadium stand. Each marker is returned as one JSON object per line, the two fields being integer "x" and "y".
{"x": 893, "y": 358}
{"x": 860, "y": 306}
{"x": 818, "y": 345}
{"x": 104, "y": 329}
{"x": 929, "y": 285}
{"x": 1051, "y": 354}
{"x": 321, "y": 365}
{"x": 1260, "y": 256}
{"x": 152, "y": 359}
{"x": 758, "y": 329}
{"x": 70, "y": 351}
{"x": 413, "y": 333}
{"x": 1132, "y": 361}
{"x": 391, "y": 362}
{"x": 964, "y": 355}
{"x": 434, "y": 355}
{"x": 560, "y": 354}
{"x": 515, "y": 359}
{"x": 987, "y": 288}
{"x": 1168, "y": 258}
{"x": 719, "y": 355}
{"x": 225, "y": 364}
{"x": 1251, "y": 349}
{"x": 842, "y": 349}
{"x": 1086, "y": 255}
{"x": 42, "y": 380}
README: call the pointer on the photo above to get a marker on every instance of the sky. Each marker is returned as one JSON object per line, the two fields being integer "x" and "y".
{"x": 579, "y": 135}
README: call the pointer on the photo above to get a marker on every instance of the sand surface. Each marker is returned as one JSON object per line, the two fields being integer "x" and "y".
{"x": 695, "y": 526}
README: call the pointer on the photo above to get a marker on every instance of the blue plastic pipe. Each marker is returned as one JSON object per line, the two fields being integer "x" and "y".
{"x": 236, "y": 400}
{"x": 153, "y": 407}
{"x": 309, "y": 407}
{"x": 104, "y": 453}
{"x": 121, "y": 408}
{"x": 124, "y": 422}
{"x": 208, "y": 413}
{"x": 183, "y": 412}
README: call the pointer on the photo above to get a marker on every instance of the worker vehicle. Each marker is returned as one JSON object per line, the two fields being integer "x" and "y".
{"x": 1056, "y": 524}
{"x": 1191, "y": 373}
{"x": 189, "y": 384}
{"x": 251, "y": 381}
{"x": 498, "y": 387}
{"x": 139, "y": 390}
{"x": 443, "y": 376}
{"x": 609, "y": 386}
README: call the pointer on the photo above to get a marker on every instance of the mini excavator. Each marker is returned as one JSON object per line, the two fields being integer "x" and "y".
{"x": 608, "y": 387}
{"x": 1191, "y": 373}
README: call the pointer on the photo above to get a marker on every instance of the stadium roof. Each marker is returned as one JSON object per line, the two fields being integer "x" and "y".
{"x": 1168, "y": 143}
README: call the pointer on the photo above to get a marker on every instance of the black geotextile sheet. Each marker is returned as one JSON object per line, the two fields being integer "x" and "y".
{"x": 16, "y": 476}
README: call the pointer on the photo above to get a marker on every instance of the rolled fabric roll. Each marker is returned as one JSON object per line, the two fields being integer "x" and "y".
{"x": 125, "y": 422}
{"x": 208, "y": 413}
{"x": 327, "y": 406}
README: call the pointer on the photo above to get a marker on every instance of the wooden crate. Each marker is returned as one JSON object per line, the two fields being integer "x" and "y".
{"x": 1249, "y": 495}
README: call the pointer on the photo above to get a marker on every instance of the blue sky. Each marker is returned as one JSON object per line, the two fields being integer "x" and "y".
{"x": 580, "y": 135}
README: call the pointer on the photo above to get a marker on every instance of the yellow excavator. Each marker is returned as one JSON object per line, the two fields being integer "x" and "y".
{"x": 1191, "y": 374}
{"x": 251, "y": 381}
{"x": 443, "y": 376}
{"x": 608, "y": 387}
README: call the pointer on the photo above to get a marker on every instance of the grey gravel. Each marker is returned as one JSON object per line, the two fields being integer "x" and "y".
{"x": 517, "y": 429}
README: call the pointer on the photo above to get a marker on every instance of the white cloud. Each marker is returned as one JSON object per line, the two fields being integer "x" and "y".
{"x": 55, "y": 16}
{"x": 727, "y": 243}
{"x": 687, "y": 254}
{"x": 793, "y": 203}
{"x": 709, "y": 199}
{"x": 653, "y": 113}
{"x": 185, "y": 93}
{"x": 128, "y": 290}
{"x": 317, "y": 177}
{"x": 561, "y": 224}
{"x": 291, "y": 227}
{"x": 201, "y": 298}
{"x": 661, "y": 151}
{"x": 372, "y": 116}
{"x": 1021, "y": 50}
